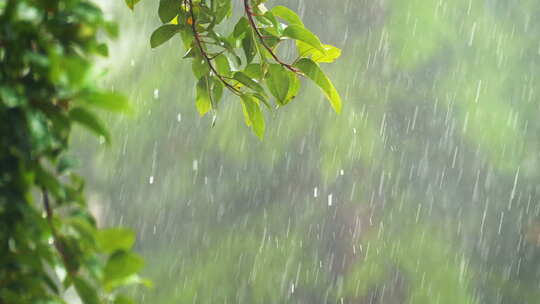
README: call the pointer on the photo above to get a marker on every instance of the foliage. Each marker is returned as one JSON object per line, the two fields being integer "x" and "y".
{"x": 245, "y": 60}
{"x": 412, "y": 126}
{"x": 49, "y": 242}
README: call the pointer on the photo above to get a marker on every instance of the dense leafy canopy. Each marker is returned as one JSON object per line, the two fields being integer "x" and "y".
{"x": 49, "y": 240}
{"x": 246, "y": 59}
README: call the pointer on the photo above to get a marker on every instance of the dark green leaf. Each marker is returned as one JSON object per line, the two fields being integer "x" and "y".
{"x": 10, "y": 98}
{"x": 102, "y": 49}
{"x": 248, "y": 45}
{"x": 90, "y": 121}
{"x": 162, "y": 34}
{"x": 87, "y": 293}
{"x": 168, "y": 9}
{"x": 248, "y": 82}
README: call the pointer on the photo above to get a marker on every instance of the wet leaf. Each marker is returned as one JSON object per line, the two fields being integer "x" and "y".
{"x": 302, "y": 34}
{"x": 113, "y": 239}
{"x": 314, "y": 72}
{"x": 90, "y": 121}
{"x": 162, "y": 34}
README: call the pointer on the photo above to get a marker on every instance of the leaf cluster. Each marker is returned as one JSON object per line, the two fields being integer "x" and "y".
{"x": 246, "y": 59}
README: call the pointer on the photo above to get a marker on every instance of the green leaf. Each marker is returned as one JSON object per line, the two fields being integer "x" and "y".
{"x": 90, "y": 121}
{"x": 248, "y": 45}
{"x": 287, "y": 14}
{"x": 300, "y": 33}
{"x": 278, "y": 82}
{"x": 162, "y": 34}
{"x": 270, "y": 17}
{"x": 113, "y": 239}
{"x": 50, "y": 283}
{"x": 216, "y": 90}
{"x": 187, "y": 37}
{"x": 86, "y": 292}
{"x": 253, "y": 114}
{"x": 254, "y": 70}
{"x": 330, "y": 55}
{"x": 294, "y": 87}
{"x": 241, "y": 28}
{"x": 223, "y": 66}
{"x": 102, "y": 49}
{"x": 314, "y": 72}
{"x": 120, "y": 266}
{"x": 248, "y": 82}
{"x": 200, "y": 67}
{"x": 106, "y": 100}
{"x": 168, "y": 9}
{"x": 224, "y": 10}
{"x": 131, "y": 3}
{"x": 10, "y": 97}
{"x": 120, "y": 299}
{"x": 50, "y": 182}
{"x": 203, "y": 100}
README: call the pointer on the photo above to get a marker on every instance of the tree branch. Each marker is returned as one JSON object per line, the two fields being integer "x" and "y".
{"x": 56, "y": 239}
{"x": 250, "y": 14}
{"x": 203, "y": 52}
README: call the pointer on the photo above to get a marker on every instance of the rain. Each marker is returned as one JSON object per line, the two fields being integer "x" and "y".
{"x": 425, "y": 189}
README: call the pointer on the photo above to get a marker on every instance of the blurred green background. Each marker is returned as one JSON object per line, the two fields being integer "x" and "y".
{"x": 424, "y": 190}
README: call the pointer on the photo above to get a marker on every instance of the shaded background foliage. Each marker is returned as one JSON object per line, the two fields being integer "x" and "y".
{"x": 51, "y": 250}
{"x": 423, "y": 190}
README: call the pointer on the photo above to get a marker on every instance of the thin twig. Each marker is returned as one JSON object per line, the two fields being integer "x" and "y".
{"x": 56, "y": 239}
{"x": 203, "y": 52}
{"x": 250, "y": 14}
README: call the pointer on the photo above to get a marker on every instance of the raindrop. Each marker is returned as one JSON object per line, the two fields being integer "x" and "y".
{"x": 330, "y": 200}
{"x": 151, "y": 179}
{"x": 315, "y": 192}
{"x": 195, "y": 165}
{"x": 214, "y": 118}
{"x": 156, "y": 93}
{"x": 179, "y": 117}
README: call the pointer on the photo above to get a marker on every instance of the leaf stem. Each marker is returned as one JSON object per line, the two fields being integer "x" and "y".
{"x": 250, "y": 14}
{"x": 56, "y": 239}
{"x": 208, "y": 60}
